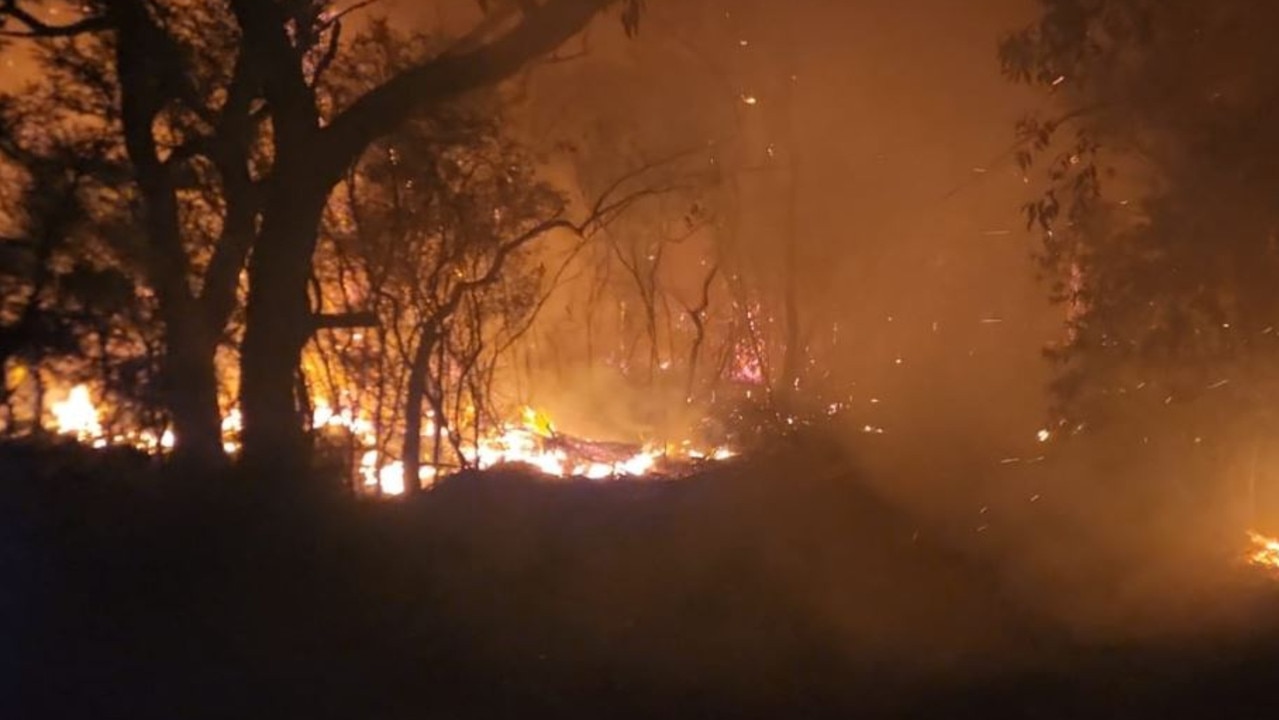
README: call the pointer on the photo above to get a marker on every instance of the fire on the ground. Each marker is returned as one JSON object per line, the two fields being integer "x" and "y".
{"x": 532, "y": 441}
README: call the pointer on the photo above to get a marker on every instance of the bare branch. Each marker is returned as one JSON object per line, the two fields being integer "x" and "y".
{"x": 337, "y": 17}
{"x": 698, "y": 316}
{"x": 557, "y": 281}
{"x": 330, "y": 52}
{"x": 344, "y": 321}
{"x": 36, "y": 28}
{"x": 196, "y": 147}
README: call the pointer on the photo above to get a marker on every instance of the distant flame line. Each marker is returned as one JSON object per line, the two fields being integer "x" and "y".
{"x": 530, "y": 443}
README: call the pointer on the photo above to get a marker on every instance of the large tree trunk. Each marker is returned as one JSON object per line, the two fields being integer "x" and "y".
{"x": 191, "y": 393}
{"x": 415, "y": 398}
{"x": 309, "y": 161}
{"x": 277, "y": 325}
{"x": 190, "y": 380}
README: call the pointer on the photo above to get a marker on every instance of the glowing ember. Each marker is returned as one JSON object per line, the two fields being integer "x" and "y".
{"x": 77, "y": 415}
{"x": 1264, "y": 552}
{"x": 747, "y": 368}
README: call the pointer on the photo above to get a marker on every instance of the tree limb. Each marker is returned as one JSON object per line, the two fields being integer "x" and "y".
{"x": 243, "y": 198}
{"x": 344, "y": 321}
{"x": 36, "y": 28}
{"x": 444, "y": 77}
{"x": 292, "y": 99}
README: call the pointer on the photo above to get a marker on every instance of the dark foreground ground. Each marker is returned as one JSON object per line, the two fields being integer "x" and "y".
{"x": 781, "y": 589}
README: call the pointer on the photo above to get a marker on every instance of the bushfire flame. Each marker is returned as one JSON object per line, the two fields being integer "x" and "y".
{"x": 1264, "y": 551}
{"x": 532, "y": 442}
{"x": 77, "y": 416}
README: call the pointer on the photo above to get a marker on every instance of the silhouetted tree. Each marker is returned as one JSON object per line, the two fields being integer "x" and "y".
{"x": 69, "y": 302}
{"x": 429, "y": 237}
{"x": 1159, "y": 222}
{"x": 232, "y": 91}
{"x": 431, "y": 265}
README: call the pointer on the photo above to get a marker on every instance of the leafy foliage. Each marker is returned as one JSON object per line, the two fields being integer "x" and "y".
{"x": 1159, "y": 219}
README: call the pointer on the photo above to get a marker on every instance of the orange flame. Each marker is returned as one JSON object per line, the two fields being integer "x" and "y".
{"x": 77, "y": 416}
{"x": 1264, "y": 552}
{"x": 528, "y": 443}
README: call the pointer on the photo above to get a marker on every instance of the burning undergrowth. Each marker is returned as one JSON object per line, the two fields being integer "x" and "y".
{"x": 533, "y": 442}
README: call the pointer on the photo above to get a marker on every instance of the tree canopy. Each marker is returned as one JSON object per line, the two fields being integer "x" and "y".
{"x": 1159, "y": 218}
{"x": 213, "y": 124}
